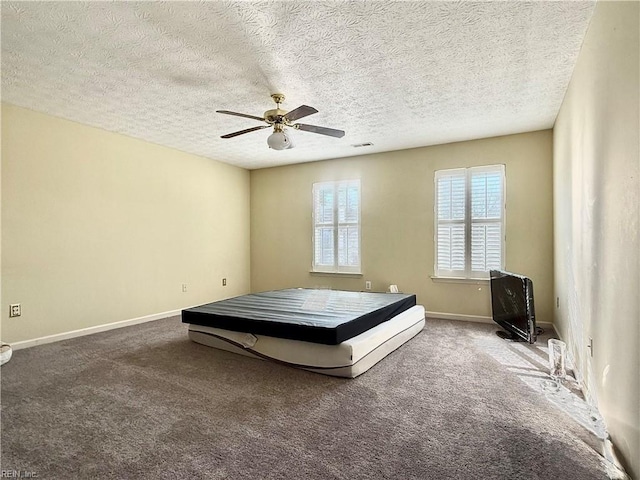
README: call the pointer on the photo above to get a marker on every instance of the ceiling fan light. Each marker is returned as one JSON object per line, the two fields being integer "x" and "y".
{"x": 279, "y": 141}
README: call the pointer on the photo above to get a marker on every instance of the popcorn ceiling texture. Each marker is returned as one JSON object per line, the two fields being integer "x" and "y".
{"x": 398, "y": 74}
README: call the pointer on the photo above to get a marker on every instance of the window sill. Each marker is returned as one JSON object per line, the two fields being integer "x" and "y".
{"x": 342, "y": 274}
{"x": 473, "y": 281}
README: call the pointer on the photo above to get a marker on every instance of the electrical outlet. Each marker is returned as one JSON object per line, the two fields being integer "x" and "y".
{"x": 367, "y": 285}
{"x": 184, "y": 287}
{"x": 590, "y": 346}
{"x": 15, "y": 310}
{"x": 557, "y": 302}
{"x": 224, "y": 282}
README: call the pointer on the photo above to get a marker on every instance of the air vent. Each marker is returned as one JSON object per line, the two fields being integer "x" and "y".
{"x": 366, "y": 144}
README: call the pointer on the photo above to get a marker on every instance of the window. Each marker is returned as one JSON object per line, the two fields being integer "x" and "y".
{"x": 336, "y": 227}
{"x": 469, "y": 221}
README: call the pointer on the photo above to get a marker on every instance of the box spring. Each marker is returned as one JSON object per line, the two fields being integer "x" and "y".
{"x": 346, "y": 359}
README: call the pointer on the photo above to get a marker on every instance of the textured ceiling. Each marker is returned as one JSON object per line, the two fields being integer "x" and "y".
{"x": 397, "y": 74}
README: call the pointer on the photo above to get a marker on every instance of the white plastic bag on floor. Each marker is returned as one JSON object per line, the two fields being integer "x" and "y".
{"x": 5, "y": 353}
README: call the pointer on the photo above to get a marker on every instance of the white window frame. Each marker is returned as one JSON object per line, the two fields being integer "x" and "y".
{"x": 336, "y": 268}
{"x": 468, "y": 222}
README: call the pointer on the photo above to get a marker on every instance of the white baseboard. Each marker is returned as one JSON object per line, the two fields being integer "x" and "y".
{"x": 477, "y": 318}
{"x": 459, "y": 316}
{"x": 97, "y": 329}
{"x": 171, "y": 313}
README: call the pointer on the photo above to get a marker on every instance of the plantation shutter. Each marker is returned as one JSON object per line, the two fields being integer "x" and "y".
{"x": 336, "y": 235}
{"x": 323, "y": 208}
{"x": 487, "y": 211}
{"x": 348, "y": 224}
{"x": 450, "y": 228}
{"x": 469, "y": 211}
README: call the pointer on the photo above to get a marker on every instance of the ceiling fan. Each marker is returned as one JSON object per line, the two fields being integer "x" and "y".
{"x": 280, "y": 119}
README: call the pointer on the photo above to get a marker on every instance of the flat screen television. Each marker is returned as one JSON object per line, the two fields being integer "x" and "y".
{"x": 512, "y": 305}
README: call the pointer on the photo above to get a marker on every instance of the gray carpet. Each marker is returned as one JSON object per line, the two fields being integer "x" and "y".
{"x": 145, "y": 402}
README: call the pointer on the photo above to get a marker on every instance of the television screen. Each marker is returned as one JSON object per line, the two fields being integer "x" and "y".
{"x": 512, "y": 305}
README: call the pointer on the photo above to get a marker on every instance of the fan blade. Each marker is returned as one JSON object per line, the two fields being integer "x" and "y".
{"x": 252, "y": 129}
{"x": 301, "y": 111}
{"x": 227, "y": 112}
{"x": 332, "y": 132}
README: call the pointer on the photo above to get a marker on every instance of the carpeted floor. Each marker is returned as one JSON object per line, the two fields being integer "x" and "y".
{"x": 145, "y": 402}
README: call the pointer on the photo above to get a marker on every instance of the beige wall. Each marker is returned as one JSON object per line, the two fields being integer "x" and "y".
{"x": 596, "y": 188}
{"x": 397, "y": 221}
{"x": 99, "y": 227}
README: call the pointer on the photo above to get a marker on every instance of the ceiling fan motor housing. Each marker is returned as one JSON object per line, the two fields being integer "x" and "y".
{"x": 274, "y": 116}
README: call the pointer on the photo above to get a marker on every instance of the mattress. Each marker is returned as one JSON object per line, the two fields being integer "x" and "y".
{"x": 320, "y": 316}
{"x": 346, "y": 359}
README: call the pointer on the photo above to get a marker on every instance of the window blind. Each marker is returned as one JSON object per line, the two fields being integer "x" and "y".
{"x": 469, "y": 221}
{"x": 336, "y": 224}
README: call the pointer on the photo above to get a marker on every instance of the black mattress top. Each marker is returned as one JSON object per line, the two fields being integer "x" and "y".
{"x": 318, "y": 316}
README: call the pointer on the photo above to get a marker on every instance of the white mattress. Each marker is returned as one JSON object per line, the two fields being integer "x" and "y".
{"x": 347, "y": 359}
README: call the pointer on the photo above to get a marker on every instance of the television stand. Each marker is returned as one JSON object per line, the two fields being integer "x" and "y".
{"x": 508, "y": 336}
